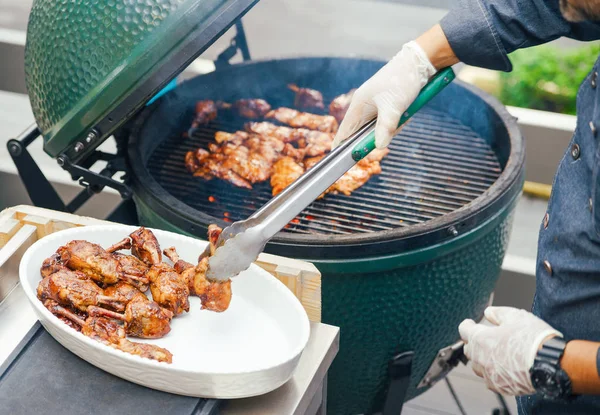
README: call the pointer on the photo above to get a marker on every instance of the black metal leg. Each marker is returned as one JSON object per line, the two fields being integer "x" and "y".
{"x": 40, "y": 190}
{"x": 400, "y": 369}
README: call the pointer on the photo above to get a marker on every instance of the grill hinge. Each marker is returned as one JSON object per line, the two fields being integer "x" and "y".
{"x": 238, "y": 43}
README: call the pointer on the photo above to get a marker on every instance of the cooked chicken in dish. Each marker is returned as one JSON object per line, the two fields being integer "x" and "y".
{"x": 109, "y": 332}
{"x": 143, "y": 319}
{"x": 340, "y": 104}
{"x": 144, "y": 245}
{"x": 51, "y": 265}
{"x": 169, "y": 289}
{"x": 307, "y": 99}
{"x": 285, "y": 172}
{"x": 206, "y": 111}
{"x": 248, "y": 108}
{"x": 76, "y": 290}
{"x": 214, "y": 295}
{"x": 124, "y": 292}
{"x": 297, "y": 119}
{"x": 134, "y": 267}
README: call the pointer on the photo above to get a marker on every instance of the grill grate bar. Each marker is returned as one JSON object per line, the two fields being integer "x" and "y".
{"x": 436, "y": 165}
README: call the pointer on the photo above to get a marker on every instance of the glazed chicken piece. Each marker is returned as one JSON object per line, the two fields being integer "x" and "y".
{"x": 206, "y": 111}
{"x": 169, "y": 289}
{"x": 51, "y": 304}
{"x": 208, "y": 166}
{"x": 297, "y": 119}
{"x": 297, "y": 154}
{"x": 340, "y": 104}
{"x": 307, "y": 99}
{"x": 214, "y": 295}
{"x": 94, "y": 261}
{"x": 75, "y": 290}
{"x": 125, "y": 292}
{"x": 360, "y": 174}
{"x": 248, "y": 108}
{"x": 144, "y": 319}
{"x": 285, "y": 172}
{"x": 143, "y": 245}
{"x": 109, "y": 332}
{"x": 238, "y": 137}
{"x": 134, "y": 267}
{"x": 51, "y": 265}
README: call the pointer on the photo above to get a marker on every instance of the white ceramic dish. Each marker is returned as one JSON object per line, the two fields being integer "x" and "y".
{"x": 250, "y": 349}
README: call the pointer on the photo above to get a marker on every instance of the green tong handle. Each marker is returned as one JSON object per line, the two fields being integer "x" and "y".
{"x": 440, "y": 80}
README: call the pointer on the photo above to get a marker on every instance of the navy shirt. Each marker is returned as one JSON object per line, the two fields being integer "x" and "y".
{"x": 482, "y": 33}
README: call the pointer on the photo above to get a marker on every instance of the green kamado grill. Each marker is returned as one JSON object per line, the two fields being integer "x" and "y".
{"x": 404, "y": 259}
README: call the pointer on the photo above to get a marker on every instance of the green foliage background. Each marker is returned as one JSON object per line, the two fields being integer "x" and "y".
{"x": 546, "y": 77}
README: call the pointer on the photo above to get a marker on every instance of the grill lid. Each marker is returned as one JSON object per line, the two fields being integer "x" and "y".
{"x": 90, "y": 65}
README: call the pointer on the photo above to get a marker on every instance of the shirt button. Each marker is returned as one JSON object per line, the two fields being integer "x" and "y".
{"x": 546, "y": 220}
{"x": 575, "y": 151}
{"x": 594, "y": 79}
{"x": 593, "y": 128}
{"x": 548, "y": 267}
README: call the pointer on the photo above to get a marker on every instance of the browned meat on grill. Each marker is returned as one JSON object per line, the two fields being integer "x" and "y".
{"x": 214, "y": 295}
{"x": 194, "y": 158}
{"x": 248, "y": 108}
{"x": 285, "y": 172}
{"x": 318, "y": 143}
{"x": 315, "y": 142}
{"x": 94, "y": 261}
{"x": 297, "y": 119}
{"x": 340, "y": 104}
{"x": 74, "y": 290}
{"x": 124, "y": 292}
{"x": 134, "y": 267}
{"x": 51, "y": 265}
{"x": 306, "y": 98}
{"x": 169, "y": 289}
{"x": 238, "y": 137}
{"x": 310, "y": 162}
{"x": 143, "y": 319}
{"x": 359, "y": 174}
{"x": 110, "y": 332}
{"x": 296, "y": 153}
{"x": 206, "y": 111}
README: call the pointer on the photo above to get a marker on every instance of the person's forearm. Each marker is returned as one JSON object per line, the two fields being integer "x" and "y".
{"x": 436, "y": 47}
{"x": 579, "y": 361}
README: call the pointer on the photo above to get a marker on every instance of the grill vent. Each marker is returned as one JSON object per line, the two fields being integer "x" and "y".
{"x": 436, "y": 165}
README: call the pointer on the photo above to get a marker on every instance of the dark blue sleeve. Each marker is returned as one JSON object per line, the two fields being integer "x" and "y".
{"x": 483, "y": 32}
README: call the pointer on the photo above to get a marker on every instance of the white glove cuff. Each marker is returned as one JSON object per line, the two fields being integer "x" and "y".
{"x": 538, "y": 342}
{"x": 424, "y": 66}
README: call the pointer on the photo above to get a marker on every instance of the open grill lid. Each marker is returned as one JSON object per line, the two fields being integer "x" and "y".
{"x": 90, "y": 65}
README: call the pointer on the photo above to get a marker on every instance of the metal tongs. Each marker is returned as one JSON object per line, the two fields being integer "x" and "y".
{"x": 240, "y": 243}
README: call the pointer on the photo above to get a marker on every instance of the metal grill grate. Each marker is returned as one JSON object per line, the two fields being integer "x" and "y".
{"x": 435, "y": 166}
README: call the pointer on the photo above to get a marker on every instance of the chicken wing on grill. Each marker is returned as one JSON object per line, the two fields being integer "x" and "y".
{"x": 248, "y": 108}
{"x": 307, "y": 99}
{"x": 297, "y": 119}
{"x": 206, "y": 111}
{"x": 109, "y": 332}
{"x": 144, "y": 319}
{"x": 76, "y": 290}
{"x": 94, "y": 261}
{"x": 169, "y": 289}
{"x": 285, "y": 172}
{"x": 340, "y": 104}
{"x": 214, "y": 295}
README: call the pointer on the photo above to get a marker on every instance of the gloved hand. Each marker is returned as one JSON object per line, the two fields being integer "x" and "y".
{"x": 504, "y": 352}
{"x": 387, "y": 94}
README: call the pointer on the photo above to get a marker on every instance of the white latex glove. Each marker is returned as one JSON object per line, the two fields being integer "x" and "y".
{"x": 503, "y": 353}
{"x": 387, "y": 94}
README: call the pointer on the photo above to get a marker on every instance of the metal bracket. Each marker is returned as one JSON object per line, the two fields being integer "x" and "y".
{"x": 400, "y": 370}
{"x": 446, "y": 360}
{"x": 239, "y": 42}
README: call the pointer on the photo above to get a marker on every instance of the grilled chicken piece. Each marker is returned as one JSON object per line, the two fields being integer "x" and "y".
{"x": 109, "y": 332}
{"x": 307, "y": 99}
{"x": 297, "y": 119}
{"x": 94, "y": 261}
{"x": 144, "y": 319}
{"x": 76, "y": 290}
{"x": 237, "y": 138}
{"x": 144, "y": 245}
{"x": 206, "y": 111}
{"x": 340, "y": 104}
{"x": 214, "y": 295}
{"x": 51, "y": 265}
{"x": 134, "y": 267}
{"x": 248, "y": 108}
{"x": 297, "y": 154}
{"x": 359, "y": 174}
{"x": 314, "y": 142}
{"x": 285, "y": 172}
{"x": 124, "y": 292}
{"x": 169, "y": 289}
